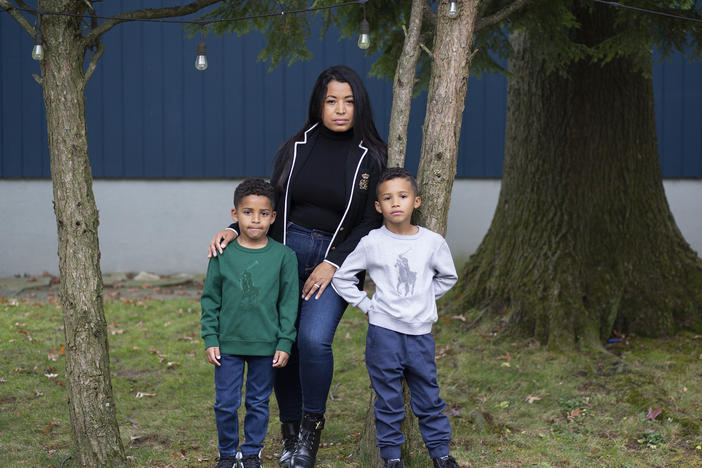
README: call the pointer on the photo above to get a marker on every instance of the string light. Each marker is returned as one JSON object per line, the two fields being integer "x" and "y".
{"x": 201, "y": 59}
{"x": 38, "y": 49}
{"x": 453, "y": 9}
{"x": 364, "y": 30}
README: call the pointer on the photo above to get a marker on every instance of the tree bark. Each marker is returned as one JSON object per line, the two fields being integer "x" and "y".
{"x": 583, "y": 241}
{"x": 445, "y": 102}
{"x": 91, "y": 405}
{"x": 403, "y": 84}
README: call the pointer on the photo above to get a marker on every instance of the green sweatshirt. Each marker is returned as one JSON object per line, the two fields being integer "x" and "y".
{"x": 249, "y": 302}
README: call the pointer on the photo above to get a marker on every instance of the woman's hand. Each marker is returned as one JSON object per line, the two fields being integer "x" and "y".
{"x": 220, "y": 241}
{"x": 318, "y": 281}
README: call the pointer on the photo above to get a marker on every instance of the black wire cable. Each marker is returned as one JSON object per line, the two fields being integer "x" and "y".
{"x": 175, "y": 21}
{"x": 644, "y": 10}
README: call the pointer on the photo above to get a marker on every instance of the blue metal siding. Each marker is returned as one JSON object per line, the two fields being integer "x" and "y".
{"x": 150, "y": 114}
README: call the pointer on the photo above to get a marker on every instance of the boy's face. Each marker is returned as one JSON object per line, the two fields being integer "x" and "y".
{"x": 254, "y": 215}
{"x": 396, "y": 202}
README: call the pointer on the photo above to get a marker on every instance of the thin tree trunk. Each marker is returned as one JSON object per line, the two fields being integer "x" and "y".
{"x": 583, "y": 242}
{"x": 403, "y": 84}
{"x": 91, "y": 405}
{"x": 445, "y": 102}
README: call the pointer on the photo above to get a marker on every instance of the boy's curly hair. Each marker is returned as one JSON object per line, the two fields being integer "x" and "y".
{"x": 254, "y": 186}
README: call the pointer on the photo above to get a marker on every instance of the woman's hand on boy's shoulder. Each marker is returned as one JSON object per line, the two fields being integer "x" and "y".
{"x": 220, "y": 242}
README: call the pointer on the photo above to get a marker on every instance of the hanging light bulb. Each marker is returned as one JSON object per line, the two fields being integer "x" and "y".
{"x": 364, "y": 37}
{"x": 201, "y": 59}
{"x": 453, "y": 9}
{"x": 38, "y": 49}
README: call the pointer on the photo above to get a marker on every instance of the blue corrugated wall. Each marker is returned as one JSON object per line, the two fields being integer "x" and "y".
{"x": 152, "y": 115}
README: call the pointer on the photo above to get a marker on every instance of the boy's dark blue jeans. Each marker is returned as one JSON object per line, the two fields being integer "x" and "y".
{"x": 390, "y": 356}
{"x": 304, "y": 383}
{"x": 259, "y": 385}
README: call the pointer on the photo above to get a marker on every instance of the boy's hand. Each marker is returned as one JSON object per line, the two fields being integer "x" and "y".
{"x": 213, "y": 355}
{"x": 280, "y": 359}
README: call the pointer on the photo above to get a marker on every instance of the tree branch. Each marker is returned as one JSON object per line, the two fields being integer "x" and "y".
{"x": 17, "y": 15}
{"x": 149, "y": 13}
{"x": 428, "y": 15}
{"x": 493, "y": 19}
{"x": 93, "y": 62}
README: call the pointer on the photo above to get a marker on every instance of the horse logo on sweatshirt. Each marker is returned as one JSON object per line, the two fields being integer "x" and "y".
{"x": 405, "y": 276}
{"x": 249, "y": 291}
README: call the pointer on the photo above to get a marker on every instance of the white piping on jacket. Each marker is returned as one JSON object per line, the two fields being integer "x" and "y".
{"x": 348, "y": 205}
{"x": 287, "y": 184}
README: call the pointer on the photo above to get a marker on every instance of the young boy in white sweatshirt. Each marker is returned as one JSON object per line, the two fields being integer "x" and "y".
{"x": 411, "y": 267}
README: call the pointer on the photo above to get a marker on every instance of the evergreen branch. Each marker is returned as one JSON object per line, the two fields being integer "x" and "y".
{"x": 94, "y": 59}
{"x": 12, "y": 11}
{"x": 501, "y": 15}
{"x": 146, "y": 14}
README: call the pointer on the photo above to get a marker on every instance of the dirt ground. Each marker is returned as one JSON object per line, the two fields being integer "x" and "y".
{"x": 133, "y": 286}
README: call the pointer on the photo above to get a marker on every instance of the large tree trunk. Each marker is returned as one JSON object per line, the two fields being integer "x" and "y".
{"x": 583, "y": 241}
{"x": 445, "y": 102}
{"x": 91, "y": 404}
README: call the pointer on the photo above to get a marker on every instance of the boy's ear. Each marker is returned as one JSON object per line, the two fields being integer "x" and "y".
{"x": 377, "y": 207}
{"x": 273, "y": 215}
{"x": 417, "y": 202}
{"x": 234, "y": 217}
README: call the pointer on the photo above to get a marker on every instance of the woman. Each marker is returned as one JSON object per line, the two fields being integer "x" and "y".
{"x": 325, "y": 178}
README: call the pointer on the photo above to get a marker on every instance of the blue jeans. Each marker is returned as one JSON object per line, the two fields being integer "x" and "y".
{"x": 259, "y": 384}
{"x": 304, "y": 383}
{"x": 390, "y": 356}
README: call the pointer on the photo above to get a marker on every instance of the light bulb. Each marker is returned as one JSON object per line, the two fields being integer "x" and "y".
{"x": 38, "y": 50}
{"x": 201, "y": 60}
{"x": 364, "y": 37}
{"x": 453, "y": 9}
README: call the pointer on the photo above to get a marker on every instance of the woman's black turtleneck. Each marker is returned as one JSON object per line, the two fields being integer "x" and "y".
{"x": 318, "y": 194}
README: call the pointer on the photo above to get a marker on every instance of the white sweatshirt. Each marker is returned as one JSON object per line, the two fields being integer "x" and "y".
{"x": 409, "y": 272}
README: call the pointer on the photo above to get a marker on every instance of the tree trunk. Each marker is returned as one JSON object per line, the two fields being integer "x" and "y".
{"x": 445, "y": 103}
{"x": 96, "y": 435}
{"x": 583, "y": 241}
{"x": 403, "y": 84}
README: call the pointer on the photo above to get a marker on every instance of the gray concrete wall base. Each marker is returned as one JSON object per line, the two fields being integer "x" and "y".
{"x": 164, "y": 226}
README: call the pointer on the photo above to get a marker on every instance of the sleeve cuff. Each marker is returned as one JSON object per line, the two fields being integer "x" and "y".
{"x": 365, "y": 305}
{"x": 210, "y": 341}
{"x": 331, "y": 263}
{"x": 231, "y": 229}
{"x": 284, "y": 345}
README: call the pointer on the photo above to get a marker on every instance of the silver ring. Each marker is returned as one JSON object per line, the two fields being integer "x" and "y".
{"x": 315, "y": 284}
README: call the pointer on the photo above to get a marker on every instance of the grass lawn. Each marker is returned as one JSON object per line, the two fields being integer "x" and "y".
{"x": 511, "y": 403}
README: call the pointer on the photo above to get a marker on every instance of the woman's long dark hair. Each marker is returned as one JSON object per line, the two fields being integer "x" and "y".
{"x": 363, "y": 124}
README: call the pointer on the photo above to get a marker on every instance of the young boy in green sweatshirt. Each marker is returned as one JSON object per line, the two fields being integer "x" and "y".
{"x": 249, "y": 307}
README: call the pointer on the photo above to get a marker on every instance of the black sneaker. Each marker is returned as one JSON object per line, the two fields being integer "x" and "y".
{"x": 250, "y": 461}
{"x": 393, "y": 463}
{"x": 445, "y": 462}
{"x": 226, "y": 462}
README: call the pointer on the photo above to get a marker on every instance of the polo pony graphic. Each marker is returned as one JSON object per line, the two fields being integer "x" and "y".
{"x": 248, "y": 288}
{"x": 405, "y": 276}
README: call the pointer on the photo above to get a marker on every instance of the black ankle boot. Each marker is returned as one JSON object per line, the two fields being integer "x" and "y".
{"x": 445, "y": 462}
{"x": 290, "y": 430}
{"x": 305, "y": 454}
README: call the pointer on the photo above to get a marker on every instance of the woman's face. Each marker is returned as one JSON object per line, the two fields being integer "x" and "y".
{"x": 337, "y": 109}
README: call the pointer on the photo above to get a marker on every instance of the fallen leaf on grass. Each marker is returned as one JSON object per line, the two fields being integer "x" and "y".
{"x": 653, "y": 414}
{"x": 453, "y": 412}
{"x": 443, "y": 352}
{"x": 502, "y": 404}
{"x": 459, "y": 317}
{"x": 505, "y": 364}
{"x": 172, "y": 364}
{"x": 143, "y": 394}
{"x": 531, "y": 398}
{"x": 38, "y": 393}
{"x": 51, "y": 376}
{"x": 2, "y": 380}
{"x": 507, "y": 356}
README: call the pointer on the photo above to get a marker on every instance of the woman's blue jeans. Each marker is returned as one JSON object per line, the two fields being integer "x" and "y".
{"x": 304, "y": 383}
